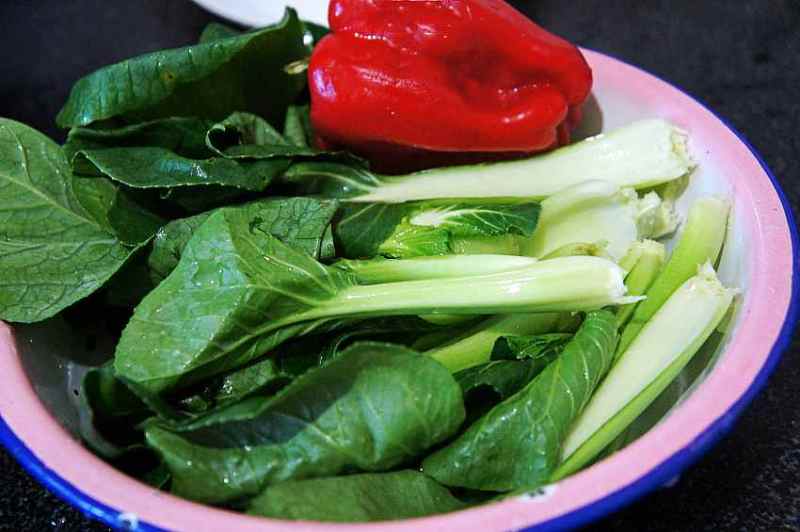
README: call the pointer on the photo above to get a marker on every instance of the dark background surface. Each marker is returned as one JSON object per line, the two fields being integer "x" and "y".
{"x": 740, "y": 57}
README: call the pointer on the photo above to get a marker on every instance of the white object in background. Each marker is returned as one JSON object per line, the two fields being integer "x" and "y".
{"x": 264, "y": 12}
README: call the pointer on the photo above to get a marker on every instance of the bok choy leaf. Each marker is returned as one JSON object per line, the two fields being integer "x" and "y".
{"x": 355, "y": 498}
{"x": 433, "y": 228}
{"x": 370, "y": 409}
{"x": 518, "y": 443}
{"x": 242, "y": 292}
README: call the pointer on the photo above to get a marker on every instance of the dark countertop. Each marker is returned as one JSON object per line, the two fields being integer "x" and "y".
{"x": 742, "y": 58}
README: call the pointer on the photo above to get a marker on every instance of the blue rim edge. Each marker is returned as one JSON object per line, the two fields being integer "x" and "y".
{"x": 658, "y": 476}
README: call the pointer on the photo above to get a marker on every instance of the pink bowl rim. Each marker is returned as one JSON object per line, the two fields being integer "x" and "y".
{"x": 73, "y": 473}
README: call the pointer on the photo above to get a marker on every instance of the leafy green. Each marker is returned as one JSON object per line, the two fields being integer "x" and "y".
{"x": 640, "y": 155}
{"x": 216, "y": 31}
{"x": 238, "y": 289}
{"x": 518, "y": 443}
{"x": 154, "y": 167}
{"x": 300, "y": 222}
{"x": 257, "y": 378}
{"x": 516, "y": 360}
{"x": 242, "y": 292}
{"x": 543, "y": 348}
{"x": 353, "y": 498}
{"x": 242, "y": 129}
{"x": 111, "y": 413}
{"x": 427, "y": 228}
{"x": 208, "y": 80}
{"x": 181, "y": 135}
{"x": 61, "y": 237}
{"x": 486, "y": 385}
{"x": 297, "y": 127}
{"x": 371, "y": 409}
{"x": 247, "y": 137}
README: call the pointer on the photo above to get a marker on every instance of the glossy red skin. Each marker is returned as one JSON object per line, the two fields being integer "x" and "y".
{"x": 405, "y": 79}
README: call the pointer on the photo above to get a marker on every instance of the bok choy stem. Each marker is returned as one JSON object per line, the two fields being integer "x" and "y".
{"x": 658, "y": 354}
{"x": 642, "y": 275}
{"x": 475, "y": 346}
{"x": 426, "y": 268}
{"x": 700, "y": 242}
{"x": 643, "y": 154}
{"x": 558, "y": 285}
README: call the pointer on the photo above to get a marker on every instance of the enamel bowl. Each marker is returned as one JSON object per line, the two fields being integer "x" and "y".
{"x": 39, "y": 414}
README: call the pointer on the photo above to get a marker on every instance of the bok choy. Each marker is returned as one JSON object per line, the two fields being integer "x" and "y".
{"x": 242, "y": 292}
{"x": 657, "y": 355}
{"x": 640, "y": 155}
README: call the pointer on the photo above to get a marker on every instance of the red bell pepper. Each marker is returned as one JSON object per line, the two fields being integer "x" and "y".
{"x": 402, "y": 79}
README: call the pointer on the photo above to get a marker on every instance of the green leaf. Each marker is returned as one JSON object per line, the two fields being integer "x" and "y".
{"x": 239, "y": 290}
{"x": 261, "y": 377}
{"x": 154, "y": 167}
{"x": 478, "y": 219}
{"x": 518, "y": 443}
{"x": 60, "y": 237}
{"x": 297, "y": 127}
{"x": 428, "y": 228}
{"x": 371, "y": 409}
{"x": 111, "y": 413}
{"x": 216, "y": 31}
{"x": 356, "y": 498}
{"x": 299, "y": 222}
{"x": 186, "y": 136}
{"x": 360, "y": 229}
{"x": 409, "y": 241}
{"x": 242, "y": 129}
{"x": 331, "y": 179}
{"x": 208, "y": 80}
{"x": 247, "y": 137}
{"x": 486, "y": 385}
{"x": 543, "y": 348}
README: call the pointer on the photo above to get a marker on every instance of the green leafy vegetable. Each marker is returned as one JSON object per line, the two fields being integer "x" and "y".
{"x": 297, "y": 129}
{"x": 112, "y": 412}
{"x": 700, "y": 242}
{"x": 365, "y": 497}
{"x": 242, "y": 292}
{"x": 303, "y": 223}
{"x": 257, "y": 378}
{"x": 371, "y": 409}
{"x": 476, "y": 345}
{"x": 208, "y": 80}
{"x": 650, "y": 256}
{"x": 518, "y": 443}
{"x": 216, "y": 31}
{"x": 539, "y": 347}
{"x": 640, "y": 155}
{"x": 430, "y": 228}
{"x": 238, "y": 289}
{"x": 596, "y": 211}
{"x": 61, "y": 237}
{"x": 486, "y": 385}
{"x": 420, "y": 268}
{"x": 652, "y": 361}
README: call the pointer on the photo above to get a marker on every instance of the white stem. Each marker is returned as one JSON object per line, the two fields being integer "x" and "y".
{"x": 640, "y": 155}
